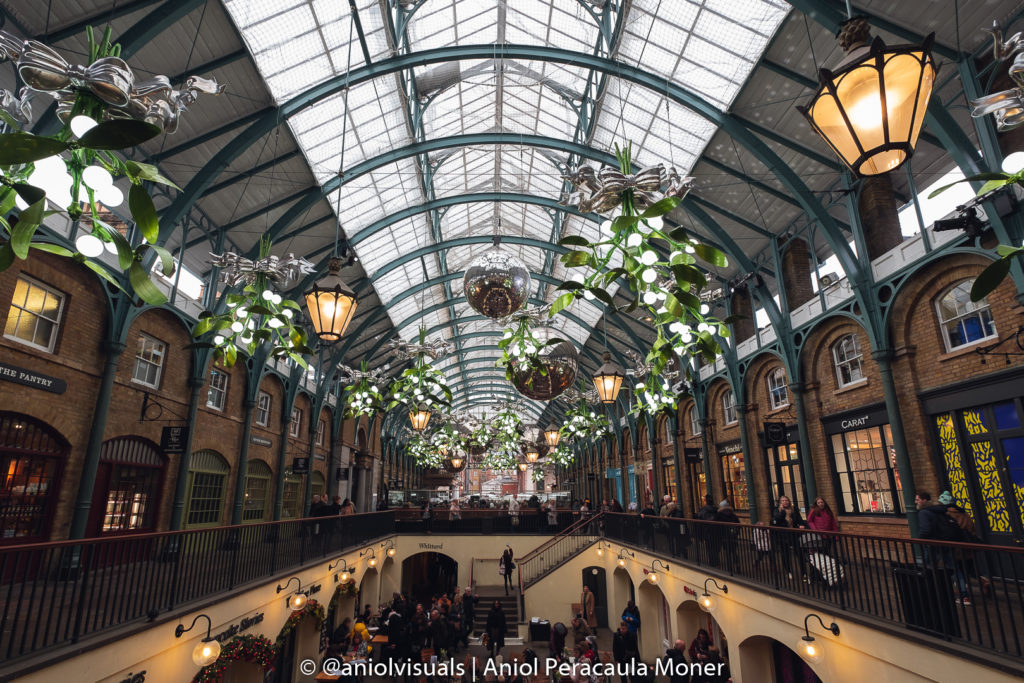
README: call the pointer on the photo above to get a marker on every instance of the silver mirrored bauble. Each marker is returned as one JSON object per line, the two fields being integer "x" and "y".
{"x": 560, "y": 364}
{"x": 496, "y": 283}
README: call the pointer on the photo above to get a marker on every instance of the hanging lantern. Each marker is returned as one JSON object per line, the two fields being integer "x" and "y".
{"x": 496, "y": 283}
{"x": 532, "y": 454}
{"x": 419, "y": 417}
{"x": 871, "y": 107}
{"x": 552, "y": 435}
{"x": 608, "y": 379}
{"x": 523, "y": 466}
{"x": 455, "y": 463}
{"x": 331, "y": 304}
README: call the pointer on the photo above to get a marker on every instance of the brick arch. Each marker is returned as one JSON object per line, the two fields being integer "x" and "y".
{"x": 756, "y": 380}
{"x": 817, "y": 352}
{"x": 713, "y": 396}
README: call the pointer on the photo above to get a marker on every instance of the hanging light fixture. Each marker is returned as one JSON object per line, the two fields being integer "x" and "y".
{"x": 419, "y": 417}
{"x": 298, "y": 600}
{"x": 206, "y": 650}
{"x": 608, "y": 379}
{"x": 808, "y": 648}
{"x": 870, "y": 109}
{"x": 552, "y": 435}
{"x": 331, "y": 304}
{"x": 532, "y": 454}
{"x": 523, "y": 467}
{"x": 707, "y": 601}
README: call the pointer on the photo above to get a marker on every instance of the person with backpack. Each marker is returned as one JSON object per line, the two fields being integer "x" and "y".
{"x": 935, "y": 524}
{"x": 969, "y": 534}
{"x": 704, "y": 531}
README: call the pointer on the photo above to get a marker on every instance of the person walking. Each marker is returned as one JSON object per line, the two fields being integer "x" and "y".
{"x": 935, "y": 524}
{"x": 787, "y": 517}
{"x": 625, "y": 651}
{"x": 496, "y": 628}
{"x": 704, "y": 532}
{"x": 505, "y": 567}
{"x": 727, "y": 535}
{"x": 968, "y": 532}
{"x": 513, "y": 513}
{"x": 588, "y": 607}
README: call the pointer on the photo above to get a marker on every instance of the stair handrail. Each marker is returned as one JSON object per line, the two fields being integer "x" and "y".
{"x": 568, "y": 531}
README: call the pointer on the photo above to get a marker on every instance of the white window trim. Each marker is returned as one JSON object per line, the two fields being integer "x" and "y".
{"x": 837, "y": 363}
{"x": 159, "y": 367}
{"x": 726, "y": 407}
{"x": 778, "y": 372}
{"x": 943, "y": 323}
{"x": 695, "y": 425}
{"x": 266, "y": 417}
{"x": 295, "y": 426}
{"x": 223, "y": 391}
{"x": 321, "y": 427}
{"x": 60, "y": 315}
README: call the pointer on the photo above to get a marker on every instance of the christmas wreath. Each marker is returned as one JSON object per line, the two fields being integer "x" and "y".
{"x": 311, "y": 609}
{"x": 345, "y": 589}
{"x": 248, "y": 648}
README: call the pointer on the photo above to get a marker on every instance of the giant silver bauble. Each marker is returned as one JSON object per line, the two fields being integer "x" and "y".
{"x": 560, "y": 364}
{"x": 496, "y": 283}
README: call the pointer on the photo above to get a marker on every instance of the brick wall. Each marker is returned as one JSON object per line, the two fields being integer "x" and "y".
{"x": 796, "y": 273}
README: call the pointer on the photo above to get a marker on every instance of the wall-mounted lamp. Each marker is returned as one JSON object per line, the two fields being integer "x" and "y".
{"x": 808, "y": 648}
{"x": 707, "y": 602}
{"x": 622, "y": 556}
{"x": 602, "y": 546}
{"x": 346, "y": 571}
{"x": 388, "y": 547}
{"x": 652, "y": 573}
{"x": 208, "y": 649}
{"x": 297, "y": 601}
{"x": 372, "y": 561}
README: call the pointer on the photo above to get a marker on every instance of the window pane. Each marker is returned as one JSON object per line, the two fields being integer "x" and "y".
{"x": 1006, "y": 415}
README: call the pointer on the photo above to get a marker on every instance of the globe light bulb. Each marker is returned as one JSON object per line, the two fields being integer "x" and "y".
{"x": 110, "y": 246}
{"x": 649, "y": 275}
{"x": 704, "y": 309}
{"x": 89, "y": 245}
{"x": 237, "y": 327}
{"x": 634, "y": 240}
{"x": 206, "y": 652}
{"x": 650, "y": 298}
{"x": 110, "y": 196}
{"x": 656, "y": 223}
{"x": 276, "y": 299}
{"x": 1013, "y": 162}
{"x": 274, "y": 323}
{"x": 288, "y": 313}
{"x": 649, "y": 258}
{"x": 97, "y": 177}
{"x": 218, "y": 340}
{"x": 80, "y": 125}
{"x": 267, "y": 294}
{"x": 587, "y": 295}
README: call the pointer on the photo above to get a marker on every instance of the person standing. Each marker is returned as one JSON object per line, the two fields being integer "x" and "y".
{"x": 505, "y": 567}
{"x": 625, "y": 651}
{"x": 787, "y": 517}
{"x": 513, "y": 513}
{"x": 552, "y": 518}
{"x": 496, "y": 627}
{"x": 427, "y": 516}
{"x": 647, "y": 522}
{"x": 587, "y": 605}
{"x": 936, "y": 525}
{"x": 631, "y": 616}
{"x": 454, "y": 514}
{"x": 704, "y": 532}
{"x": 675, "y": 657}
{"x": 469, "y": 601}
{"x": 727, "y": 535}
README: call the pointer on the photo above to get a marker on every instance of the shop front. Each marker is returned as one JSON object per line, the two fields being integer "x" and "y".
{"x": 863, "y": 462}
{"x": 734, "y": 474}
{"x": 698, "y": 478}
{"x": 782, "y": 458}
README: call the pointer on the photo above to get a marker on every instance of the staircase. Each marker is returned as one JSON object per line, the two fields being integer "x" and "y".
{"x": 509, "y": 605}
{"x": 553, "y": 553}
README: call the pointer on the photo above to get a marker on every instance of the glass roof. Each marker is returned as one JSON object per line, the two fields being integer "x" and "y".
{"x": 707, "y": 46}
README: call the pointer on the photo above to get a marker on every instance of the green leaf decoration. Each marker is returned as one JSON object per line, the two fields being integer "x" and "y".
{"x": 574, "y": 259}
{"x": 100, "y": 270}
{"x": 989, "y": 279}
{"x": 1007, "y": 250}
{"x": 125, "y": 253}
{"x": 53, "y": 249}
{"x": 6, "y": 256}
{"x": 711, "y": 255}
{"x": 230, "y": 355}
{"x": 602, "y": 295}
{"x": 574, "y": 241}
{"x": 674, "y": 307}
{"x": 561, "y": 302}
{"x": 166, "y": 260}
{"x": 686, "y": 298}
{"x": 144, "y": 213}
{"x": 24, "y": 148}
{"x": 138, "y": 172}
{"x": 203, "y": 326}
{"x": 993, "y": 185}
{"x": 622, "y": 222}
{"x": 118, "y": 134}
{"x": 569, "y": 286}
{"x": 660, "y": 207}
{"x": 980, "y": 176}
{"x": 143, "y": 286}
{"x": 25, "y": 228}
{"x": 30, "y": 193}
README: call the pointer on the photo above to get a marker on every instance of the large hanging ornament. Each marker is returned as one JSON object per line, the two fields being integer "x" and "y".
{"x": 556, "y": 373}
{"x": 1007, "y": 105}
{"x": 496, "y": 283}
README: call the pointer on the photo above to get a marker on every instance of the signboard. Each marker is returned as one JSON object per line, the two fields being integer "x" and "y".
{"x": 692, "y": 454}
{"x": 774, "y": 433}
{"x": 30, "y": 378}
{"x": 300, "y": 465}
{"x": 260, "y": 441}
{"x": 341, "y": 474}
{"x": 172, "y": 440}
{"x": 872, "y": 416}
{"x": 730, "y": 448}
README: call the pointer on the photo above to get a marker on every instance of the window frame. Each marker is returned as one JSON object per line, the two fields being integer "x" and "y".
{"x": 982, "y": 307}
{"x": 838, "y": 363}
{"x": 223, "y": 390}
{"x": 295, "y": 426}
{"x": 780, "y": 389}
{"x": 729, "y": 409}
{"x": 846, "y": 481}
{"x": 730, "y": 484}
{"x": 321, "y": 428}
{"x": 695, "y": 426}
{"x": 143, "y": 337}
{"x": 264, "y": 410}
{"x": 62, "y": 298}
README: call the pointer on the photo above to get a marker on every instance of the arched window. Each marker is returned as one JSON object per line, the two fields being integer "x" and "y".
{"x": 695, "y": 427}
{"x": 207, "y": 476}
{"x": 319, "y": 485}
{"x": 257, "y": 489}
{"x": 31, "y": 458}
{"x": 729, "y": 407}
{"x": 778, "y": 392}
{"x": 963, "y": 321}
{"x": 847, "y": 356}
{"x": 291, "y": 496}
{"x": 127, "y": 490}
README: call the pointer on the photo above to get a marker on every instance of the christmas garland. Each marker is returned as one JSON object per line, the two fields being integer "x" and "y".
{"x": 248, "y": 648}
{"x": 345, "y": 589}
{"x": 311, "y": 609}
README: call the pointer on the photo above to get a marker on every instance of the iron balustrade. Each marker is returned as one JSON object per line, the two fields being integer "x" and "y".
{"x": 964, "y": 593}
{"x": 479, "y": 521}
{"x": 551, "y": 554}
{"x": 58, "y": 593}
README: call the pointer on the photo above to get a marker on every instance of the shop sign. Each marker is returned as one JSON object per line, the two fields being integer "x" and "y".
{"x": 172, "y": 440}
{"x": 260, "y": 441}
{"x": 849, "y": 421}
{"x": 730, "y": 448}
{"x": 692, "y": 454}
{"x": 300, "y": 465}
{"x": 235, "y": 629}
{"x": 431, "y": 546}
{"x": 30, "y": 378}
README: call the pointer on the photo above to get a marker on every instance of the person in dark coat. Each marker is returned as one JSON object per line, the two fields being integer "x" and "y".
{"x": 704, "y": 532}
{"x": 787, "y": 517}
{"x": 726, "y": 535}
{"x": 675, "y": 657}
{"x": 496, "y": 628}
{"x": 935, "y": 524}
{"x": 648, "y": 517}
{"x": 625, "y": 650}
{"x": 556, "y": 643}
{"x": 507, "y": 567}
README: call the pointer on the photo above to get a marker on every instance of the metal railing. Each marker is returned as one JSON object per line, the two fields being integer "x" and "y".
{"x": 551, "y": 554}
{"x": 530, "y": 521}
{"x": 964, "y": 593}
{"x": 58, "y": 593}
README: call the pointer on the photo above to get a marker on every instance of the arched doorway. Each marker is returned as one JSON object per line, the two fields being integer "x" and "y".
{"x": 594, "y": 579}
{"x": 126, "y": 496}
{"x": 654, "y": 623}
{"x": 369, "y": 590}
{"x": 32, "y": 456}
{"x": 257, "y": 491}
{"x": 298, "y": 640}
{"x": 319, "y": 486}
{"x": 427, "y": 574}
{"x": 689, "y": 620}
{"x": 207, "y": 480}
{"x": 774, "y": 662}
{"x": 622, "y": 591}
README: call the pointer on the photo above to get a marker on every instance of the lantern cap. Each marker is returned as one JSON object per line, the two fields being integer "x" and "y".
{"x": 609, "y": 367}
{"x": 332, "y": 282}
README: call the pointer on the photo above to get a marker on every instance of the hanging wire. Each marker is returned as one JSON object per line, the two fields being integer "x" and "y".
{"x": 344, "y": 131}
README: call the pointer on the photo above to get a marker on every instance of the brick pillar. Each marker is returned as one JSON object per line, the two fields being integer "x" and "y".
{"x": 878, "y": 215}
{"x": 796, "y": 273}
{"x": 741, "y": 305}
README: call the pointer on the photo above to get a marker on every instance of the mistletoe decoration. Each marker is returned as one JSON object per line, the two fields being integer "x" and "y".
{"x": 362, "y": 393}
{"x": 423, "y": 452}
{"x": 581, "y": 421}
{"x": 102, "y": 106}
{"x": 246, "y": 648}
{"x": 255, "y": 316}
{"x": 521, "y": 349}
{"x": 422, "y": 383}
{"x": 667, "y": 287}
{"x": 652, "y": 393}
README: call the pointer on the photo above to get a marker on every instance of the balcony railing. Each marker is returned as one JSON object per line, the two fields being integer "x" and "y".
{"x": 963, "y": 593}
{"x": 530, "y": 521}
{"x": 58, "y": 593}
